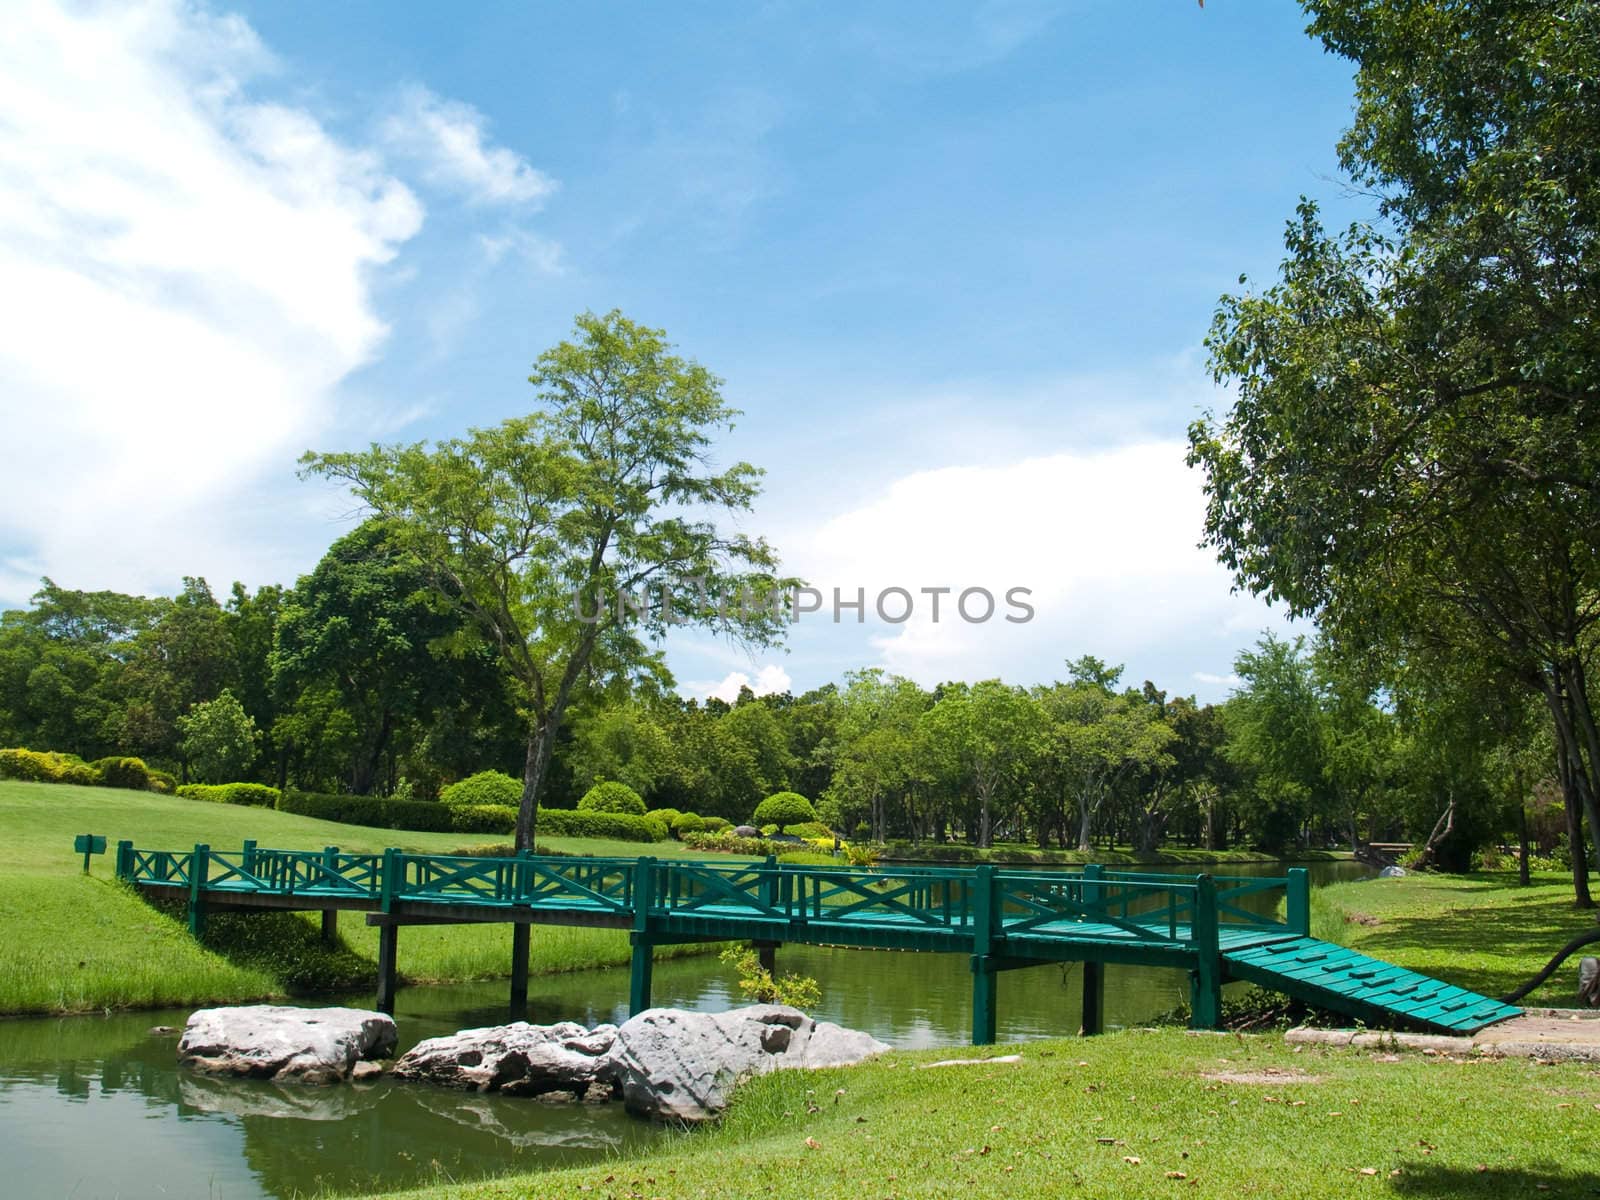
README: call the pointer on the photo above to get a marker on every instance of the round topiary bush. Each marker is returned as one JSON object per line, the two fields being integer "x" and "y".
{"x": 667, "y": 815}
{"x": 610, "y": 796}
{"x": 783, "y": 808}
{"x": 688, "y": 823}
{"x": 122, "y": 772}
{"x": 486, "y": 787}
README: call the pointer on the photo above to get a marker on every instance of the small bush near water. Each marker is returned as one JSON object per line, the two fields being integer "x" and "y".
{"x": 783, "y": 808}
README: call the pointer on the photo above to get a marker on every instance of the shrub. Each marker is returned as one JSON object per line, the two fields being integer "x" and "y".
{"x": 258, "y": 794}
{"x": 163, "y": 781}
{"x": 478, "y": 818}
{"x": 783, "y": 808}
{"x": 717, "y": 824}
{"x": 486, "y": 787}
{"x": 761, "y": 987}
{"x": 625, "y": 827}
{"x": 119, "y": 772}
{"x": 808, "y": 829}
{"x": 688, "y": 823}
{"x": 420, "y": 815}
{"x": 669, "y": 815}
{"x": 611, "y": 797}
{"x": 46, "y": 766}
{"x": 731, "y": 843}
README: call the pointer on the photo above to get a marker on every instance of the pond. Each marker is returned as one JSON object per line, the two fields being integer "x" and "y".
{"x": 96, "y": 1107}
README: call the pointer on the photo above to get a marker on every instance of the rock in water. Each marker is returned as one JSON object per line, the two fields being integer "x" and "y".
{"x": 684, "y": 1066}
{"x": 270, "y": 1041}
{"x": 1392, "y": 873}
{"x": 516, "y": 1059}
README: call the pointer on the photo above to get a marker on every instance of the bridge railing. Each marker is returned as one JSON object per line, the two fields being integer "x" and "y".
{"x": 602, "y": 884}
{"x": 1120, "y": 908}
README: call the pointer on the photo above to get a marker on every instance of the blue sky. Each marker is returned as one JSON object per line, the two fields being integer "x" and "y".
{"x": 955, "y": 263}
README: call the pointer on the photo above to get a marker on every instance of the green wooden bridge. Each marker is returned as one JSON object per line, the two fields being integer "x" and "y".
{"x": 1217, "y": 929}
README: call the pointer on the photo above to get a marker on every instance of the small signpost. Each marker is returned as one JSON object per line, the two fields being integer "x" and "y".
{"x": 87, "y": 844}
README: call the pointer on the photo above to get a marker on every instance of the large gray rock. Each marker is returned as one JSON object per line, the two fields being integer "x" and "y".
{"x": 516, "y": 1059}
{"x": 270, "y": 1041}
{"x": 1589, "y": 981}
{"x": 678, "y": 1065}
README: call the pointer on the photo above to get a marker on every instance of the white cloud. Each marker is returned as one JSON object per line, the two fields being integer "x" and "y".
{"x": 1104, "y": 540}
{"x": 770, "y": 679}
{"x": 1230, "y": 680}
{"x": 449, "y": 140}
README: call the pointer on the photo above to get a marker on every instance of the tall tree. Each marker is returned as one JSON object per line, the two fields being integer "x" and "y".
{"x": 1414, "y": 453}
{"x": 536, "y": 527}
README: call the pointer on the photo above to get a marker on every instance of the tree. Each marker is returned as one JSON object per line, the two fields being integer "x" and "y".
{"x": 1276, "y": 732}
{"x": 219, "y": 739}
{"x": 365, "y": 622}
{"x": 1414, "y": 454}
{"x": 986, "y": 733}
{"x": 540, "y": 528}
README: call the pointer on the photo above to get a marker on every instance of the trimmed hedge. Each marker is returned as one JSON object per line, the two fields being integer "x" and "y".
{"x": 121, "y": 772}
{"x": 625, "y": 827}
{"x": 419, "y": 816}
{"x": 784, "y": 808}
{"x": 717, "y": 824}
{"x": 486, "y": 787}
{"x": 612, "y": 797}
{"x": 164, "y": 782}
{"x": 687, "y": 823}
{"x": 808, "y": 829}
{"x": 668, "y": 815}
{"x": 732, "y": 843}
{"x": 258, "y": 794}
{"x": 47, "y": 766}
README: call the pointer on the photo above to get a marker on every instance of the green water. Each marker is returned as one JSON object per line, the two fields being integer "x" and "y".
{"x": 94, "y": 1107}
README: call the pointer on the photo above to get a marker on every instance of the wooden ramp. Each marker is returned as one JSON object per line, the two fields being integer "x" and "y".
{"x": 1346, "y": 981}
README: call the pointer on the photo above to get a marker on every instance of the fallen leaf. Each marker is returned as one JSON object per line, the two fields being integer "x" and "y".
{"x": 1369, "y": 1170}
{"x": 1176, "y": 1175}
{"x": 813, "y": 1144}
{"x": 1131, "y": 1159}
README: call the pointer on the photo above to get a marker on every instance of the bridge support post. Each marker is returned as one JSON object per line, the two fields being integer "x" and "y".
{"x": 1297, "y": 907}
{"x": 330, "y": 926}
{"x": 643, "y": 945}
{"x": 199, "y": 868}
{"x": 1205, "y": 981}
{"x": 519, "y": 971}
{"x": 768, "y": 953}
{"x": 124, "y": 860}
{"x": 388, "y": 947}
{"x": 985, "y": 978}
{"x": 1094, "y": 998}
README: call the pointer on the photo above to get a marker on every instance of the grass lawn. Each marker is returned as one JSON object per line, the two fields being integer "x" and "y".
{"x": 1132, "y": 1114}
{"x": 75, "y": 944}
{"x": 1482, "y": 931}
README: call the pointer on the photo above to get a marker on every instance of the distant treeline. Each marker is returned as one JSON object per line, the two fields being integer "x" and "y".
{"x": 359, "y": 681}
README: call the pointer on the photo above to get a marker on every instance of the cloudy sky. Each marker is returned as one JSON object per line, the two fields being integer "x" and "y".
{"x": 955, "y": 262}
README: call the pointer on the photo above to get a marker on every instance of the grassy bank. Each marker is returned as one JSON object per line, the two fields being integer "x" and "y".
{"x": 1480, "y": 931}
{"x": 81, "y": 944}
{"x": 1134, "y": 1114}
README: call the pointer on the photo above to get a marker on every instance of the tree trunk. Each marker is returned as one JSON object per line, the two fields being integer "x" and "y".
{"x": 1085, "y": 822}
{"x": 541, "y": 741}
{"x": 985, "y": 827}
{"x": 365, "y": 769}
{"x": 1574, "y": 814}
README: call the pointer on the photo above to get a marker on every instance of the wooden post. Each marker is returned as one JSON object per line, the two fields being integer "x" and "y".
{"x": 1205, "y": 982}
{"x": 768, "y": 953}
{"x": 199, "y": 868}
{"x": 1094, "y": 998}
{"x": 388, "y": 950}
{"x": 519, "y": 970}
{"x": 1298, "y": 902}
{"x": 247, "y": 860}
{"x": 985, "y": 979}
{"x": 330, "y": 926}
{"x": 643, "y": 948}
{"x": 769, "y": 882}
{"x": 125, "y": 860}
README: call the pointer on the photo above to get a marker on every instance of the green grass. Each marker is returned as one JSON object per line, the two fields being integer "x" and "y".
{"x": 1479, "y": 931}
{"x": 1072, "y": 1116}
{"x": 76, "y": 944}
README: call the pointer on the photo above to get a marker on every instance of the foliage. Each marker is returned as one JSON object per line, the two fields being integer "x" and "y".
{"x": 121, "y": 771}
{"x": 687, "y": 823}
{"x": 728, "y": 842}
{"x": 219, "y": 738}
{"x": 612, "y": 797}
{"x": 627, "y": 827}
{"x": 760, "y": 986}
{"x": 534, "y": 528}
{"x": 808, "y": 829}
{"x": 258, "y": 794}
{"x": 783, "y": 808}
{"x": 422, "y": 815}
{"x": 46, "y": 766}
{"x": 486, "y": 787}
